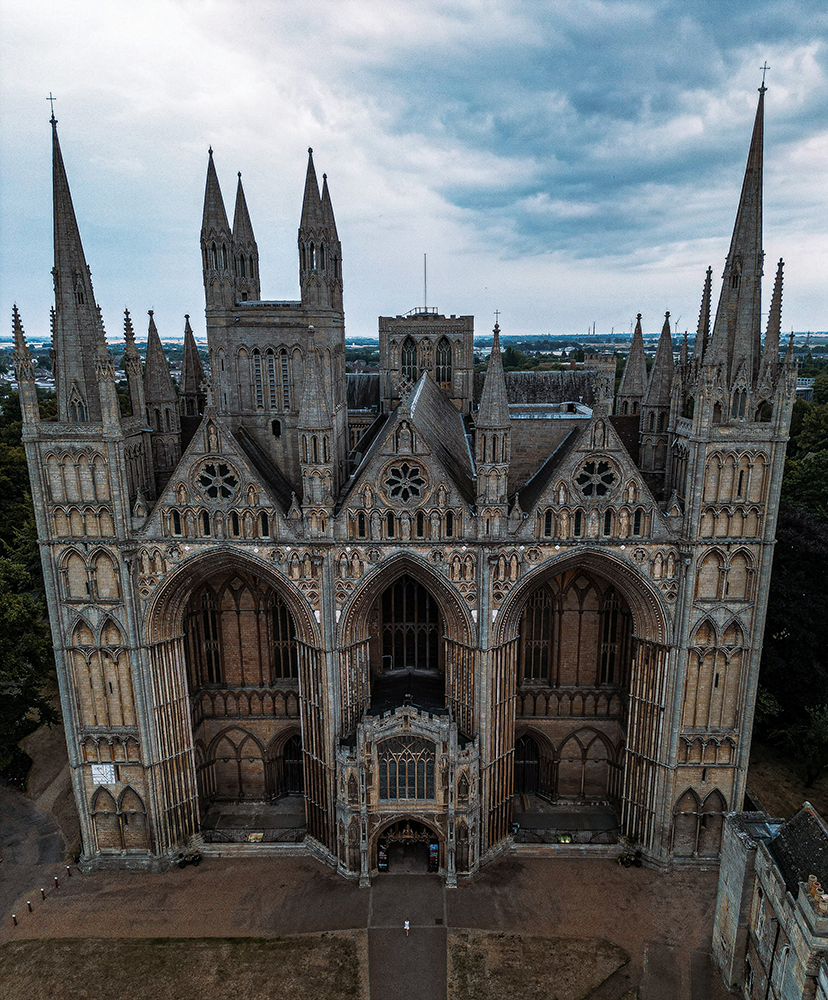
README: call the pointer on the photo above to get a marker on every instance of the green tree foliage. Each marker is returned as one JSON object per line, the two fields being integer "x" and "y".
{"x": 794, "y": 665}
{"x": 25, "y": 660}
{"x": 814, "y": 434}
{"x": 516, "y": 361}
{"x": 821, "y": 388}
{"x": 805, "y": 485}
{"x": 807, "y": 743}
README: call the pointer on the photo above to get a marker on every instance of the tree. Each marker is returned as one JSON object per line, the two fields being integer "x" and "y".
{"x": 821, "y": 388}
{"x": 807, "y": 743}
{"x": 814, "y": 433}
{"x": 805, "y": 485}
{"x": 25, "y": 661}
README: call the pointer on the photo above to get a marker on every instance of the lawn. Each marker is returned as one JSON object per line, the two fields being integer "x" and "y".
{"x": 304, "y": 967}
{"x": 489, "y": 966}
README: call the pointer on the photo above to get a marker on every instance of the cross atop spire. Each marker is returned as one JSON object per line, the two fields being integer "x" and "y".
{"x": 51, "y": 101}
{"x": 764, "y": 69}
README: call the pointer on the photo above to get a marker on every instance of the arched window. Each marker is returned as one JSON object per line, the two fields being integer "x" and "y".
{"x": 578, "y": 524}
{"x": 276, "y": 428}
{"x": 321, "y": 256}
{"x": 420, "y": 524}
{"x": 77, "y": 407}
{"x": 615, "y": 631}
{"x": 651, "y": 422}
{"x": 313, "y": 257}
{"x": 637, "y": 522}
{"x": 264, "y": 524}
{"x": 406, "y": 768}
{"x": 210, "y": 637}
{"x": 205, "y": 523}
{"x": 608, "y": 523}
{"x": 176, "y": 522}
{"x": 547, "y": 524}
{"x": 234, "y": 523}
{"x": 284, "y": 363}
{"x": 257, "y": 379}
{"x": 443, "y": 358}
{"x": 389, "y": 524}
{"x": 271, "y": 380}
{"x": 408, "y": 360}
{"x": 224, "y": 256}
{"x": 215, "y": 257}
{"x": 361, "y": 525}
{"x": 449, "y": 524}
{"x": 283, "y": 641}
{"x": 536, "y": 637}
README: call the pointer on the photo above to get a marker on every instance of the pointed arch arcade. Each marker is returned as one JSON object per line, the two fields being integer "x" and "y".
{"x": 279, "y": 603}
{"x": 361, "y": 619}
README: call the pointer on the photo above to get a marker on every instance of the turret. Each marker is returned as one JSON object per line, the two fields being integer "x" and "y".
{"x": 216, "y": 245}
{"x": 493, "y": 434}
{"x": 770, "y": 351}
{"x": 316, "y": 445}
{"x": 633, "y": 384}
{"x": 191, "y": 397}
{"x": 245, "y": 252}
{"x": 24, "y": 372}
{"x": 132, "y": 368}
{"x": 655, "y": 407}
{"x": 320, "y": 252}
{"x": 703, "y": 326}
{"x": 78, "y": 340}
{"x": 162, "y": 408}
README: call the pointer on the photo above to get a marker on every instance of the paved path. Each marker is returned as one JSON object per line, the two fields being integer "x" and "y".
{"x": 664, "y": 922}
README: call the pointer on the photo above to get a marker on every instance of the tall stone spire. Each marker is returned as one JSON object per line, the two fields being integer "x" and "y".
{"x": 661, "y": 377}
{"x": 703, "y": 326}
{"x": 311, "y": 202}
{"x": 132, "y": 367}
{"x": 494, "y": 403}
{"x": 633, "y": 384}
{"x": 191, "y": 395}
{"x": 245, "y": 251}
{"x": 332, "y": 249}
{"x": 78, "y": 337}
{"x": 737, "y": 331}
{"x": 216, "y": 244}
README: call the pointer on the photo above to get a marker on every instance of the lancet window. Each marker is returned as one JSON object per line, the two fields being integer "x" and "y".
{"x": 408, "y": 360}
{"x": 406, "y": 768}
{"x": 443, "y": 367}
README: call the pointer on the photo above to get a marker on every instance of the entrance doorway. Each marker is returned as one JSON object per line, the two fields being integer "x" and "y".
{"x": 408, "y": 847}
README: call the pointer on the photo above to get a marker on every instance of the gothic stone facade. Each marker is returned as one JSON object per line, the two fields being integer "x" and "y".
{"x": 408, "y": 613}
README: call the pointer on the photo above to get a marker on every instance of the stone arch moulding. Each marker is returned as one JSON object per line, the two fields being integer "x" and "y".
{"x": 165, "y": 614}
{"x": 401, "y": 817}
{"x": 456, "y": 619}
{"x": 651, "y": 621}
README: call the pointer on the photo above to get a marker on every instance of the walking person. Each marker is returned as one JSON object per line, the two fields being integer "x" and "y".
{"x": 406, "y": 925}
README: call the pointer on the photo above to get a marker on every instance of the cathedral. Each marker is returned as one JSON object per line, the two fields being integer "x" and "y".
{"x": 399, "y": 607}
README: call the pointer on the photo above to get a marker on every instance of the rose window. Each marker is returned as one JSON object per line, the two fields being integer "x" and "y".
{"x": 405, "y": 481}
{"x": 218, "y": 480}
{"x": 596, "y": 479}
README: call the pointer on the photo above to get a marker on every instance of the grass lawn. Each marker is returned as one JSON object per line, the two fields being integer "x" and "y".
{"x": 305, "y": 967}
{"x": 488, "y": 966}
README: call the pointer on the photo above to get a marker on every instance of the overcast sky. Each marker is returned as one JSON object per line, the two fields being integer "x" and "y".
{"x": 563, "y": 162}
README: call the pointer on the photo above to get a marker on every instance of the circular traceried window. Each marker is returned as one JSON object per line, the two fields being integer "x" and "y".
{"x": 405, "y": 482}
{"x": 218, "y": 480}
{"x": 596, "y": 478}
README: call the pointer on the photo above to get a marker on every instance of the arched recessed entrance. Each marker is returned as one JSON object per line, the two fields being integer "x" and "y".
{"x": 572, "y": 638}
{"x": 407, "y": 656}
{"x": 407, "y": 846}
{"x": 242, "y": 659}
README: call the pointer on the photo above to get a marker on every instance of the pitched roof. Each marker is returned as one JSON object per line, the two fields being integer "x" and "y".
{"x": 634, "y": 378}
{"x": 801, "y": 848}
{"x": 441, "y": 426}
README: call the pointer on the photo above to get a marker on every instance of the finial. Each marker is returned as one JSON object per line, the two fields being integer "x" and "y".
{"x": 324, "y": 177}
{"x": 638, "y": 317}
{"x": 310, "y": 150}
{"x": 667, "y": 314}
{"x": 51, "y": 101}
{"x": 150, "y": 312}
{"x": 764, "y": 69}
{"x": 186, "y": 315}
{"x": 210, "y": 152}
{"x": 240, "y": 175}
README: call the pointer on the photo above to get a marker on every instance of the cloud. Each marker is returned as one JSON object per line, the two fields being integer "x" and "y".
{"x": 568, "y": 159}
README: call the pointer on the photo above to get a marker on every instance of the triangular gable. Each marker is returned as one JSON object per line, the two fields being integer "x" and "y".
{"x": 424, "y": 434}
{"x": 593, "y": 468}
{"x": 215, "y": 474}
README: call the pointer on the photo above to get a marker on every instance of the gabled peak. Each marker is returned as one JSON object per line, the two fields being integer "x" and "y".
{"x": 703, "y": 326}
{"x": 494, "y": 403}
{"x": 315, "y": 412}
{"x": 157, "y": 380}
{"x": 661, "y": 376}
{"x": 214, "y": 218}
{"x": 327, "y": 209}
{"x": 242, "y": 227}
{"x": 311, "y": 203}
{"x": 634, "y": 379}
